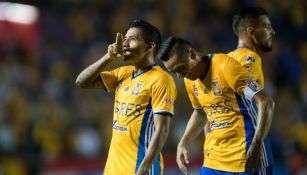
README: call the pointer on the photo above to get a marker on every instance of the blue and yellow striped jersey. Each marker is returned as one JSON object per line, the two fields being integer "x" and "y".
{"x": 231, "y": 128}
{"x": 137, "y": 99}
{"x": 252, "y": 62}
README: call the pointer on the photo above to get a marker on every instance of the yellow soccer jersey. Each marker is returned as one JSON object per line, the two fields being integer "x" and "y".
{"x": 230, "y": 129}
{"x": 137, "y": 99}
{"x": 251, "y": 61}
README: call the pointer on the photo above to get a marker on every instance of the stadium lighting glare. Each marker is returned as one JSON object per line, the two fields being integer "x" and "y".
{"x": 18, "y": 13}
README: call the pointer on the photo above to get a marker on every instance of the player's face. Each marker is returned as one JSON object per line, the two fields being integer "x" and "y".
{"x": 134, "y": 46}
{"x": 264, "y": 34}
{"x": 182, "y": 66}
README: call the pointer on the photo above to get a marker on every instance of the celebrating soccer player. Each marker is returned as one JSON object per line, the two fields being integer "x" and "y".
{"x": 144, "y": 101}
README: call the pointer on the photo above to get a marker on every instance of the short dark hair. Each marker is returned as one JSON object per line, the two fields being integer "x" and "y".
{"x": 247, "y": 16}
{"x": 149, "y": 32}
{"x": 170, "y": 46}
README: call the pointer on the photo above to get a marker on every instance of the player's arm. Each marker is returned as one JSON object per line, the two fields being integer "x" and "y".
{"x": 265, "y": 106}
{"x": 157, "y": 142}
{"x": 90, "y": 76}
{"x": 238, "y": 79}
{"x": 195, "y": 126}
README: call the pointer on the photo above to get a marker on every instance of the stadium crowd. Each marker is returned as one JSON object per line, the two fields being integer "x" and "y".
{"x": 45, "y": 117}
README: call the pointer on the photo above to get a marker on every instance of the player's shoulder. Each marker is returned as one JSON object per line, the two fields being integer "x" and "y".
{"x": 124, "y": 71}
{"x": 245, "y": 55}
{"x": 159, "y": 74}
{"x": 221, "y": 58}
{"x": 126, "y": 68}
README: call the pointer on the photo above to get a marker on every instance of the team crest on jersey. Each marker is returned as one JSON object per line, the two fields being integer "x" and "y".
{"x": 249, "y": 59}
{"x": 195, "y": 90}
{"x": 216, "y": 88}
{"x": 136, "y": 90}
{"x": 254, "y": 85}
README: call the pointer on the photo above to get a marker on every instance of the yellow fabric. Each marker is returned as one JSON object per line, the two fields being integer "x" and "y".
{"x": 251, "y": 61}
{"x": 225, "y": 145}
{"x": 137, "y": 99}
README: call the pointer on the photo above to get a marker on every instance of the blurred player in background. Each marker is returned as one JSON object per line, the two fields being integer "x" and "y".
{"x": 255, "y": 34}
{"x": 218, "y": 87}
{"x": 144, "y": 101}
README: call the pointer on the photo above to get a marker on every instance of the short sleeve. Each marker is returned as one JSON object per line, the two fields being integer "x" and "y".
{"x": 163, "y": 94}
{"x": 112, "y": 78}
{"x": 239, "y": 79}
{"x": 191, "y": 90}
{"x": 252, "y": 63}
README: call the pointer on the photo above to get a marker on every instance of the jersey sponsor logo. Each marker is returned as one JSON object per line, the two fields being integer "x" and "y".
{"x": 219, "y": 125}
{"x": 254, "y": 85}
{"x": 127, "y": 109}
{"x": 250, "y": 59}
{"x": 118, "y": 127}
{"x": 136, "y": 90}
{"x": 216, "y": 88}
{"x": 168, "y": 101}
{"x": 222, "y": 107}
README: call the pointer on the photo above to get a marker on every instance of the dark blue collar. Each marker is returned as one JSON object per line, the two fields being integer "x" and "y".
{"x": 143, "y": 71}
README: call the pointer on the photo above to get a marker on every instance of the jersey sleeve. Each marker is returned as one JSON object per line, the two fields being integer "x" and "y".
{"x": 252, "y": 63}
{"x": 111, "y": 78}
{"x": 239, "y": 80}
{"x": 191, "y": 88}
{"x": 163, "y": 94}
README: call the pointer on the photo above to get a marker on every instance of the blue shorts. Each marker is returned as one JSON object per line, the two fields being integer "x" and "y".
{"x": 209, "y": 171}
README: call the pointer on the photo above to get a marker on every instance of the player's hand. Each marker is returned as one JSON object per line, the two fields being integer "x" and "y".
{"x": 141, "y": 173}
{"x": 253, "y": 157}
{"x": 115, "y": 50}
{"x": 182, "y": 158}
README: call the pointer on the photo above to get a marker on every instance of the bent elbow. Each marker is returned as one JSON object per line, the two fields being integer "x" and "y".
{"x": 80, "y": 83}
{"x": 271, "y": 103}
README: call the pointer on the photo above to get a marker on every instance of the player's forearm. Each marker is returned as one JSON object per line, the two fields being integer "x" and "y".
{"x": 194, "y": 127}
{"x": 264, "y": 118}
{"x": 88, "y": 76}
{"x": 156, "y": 144}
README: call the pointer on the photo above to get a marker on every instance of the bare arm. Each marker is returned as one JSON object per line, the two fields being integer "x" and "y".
{"x": 265, "y": 106}
{"x": 194, "y": 127}
{"x": 90, "y": 76}
{"x": 157, "y": 142}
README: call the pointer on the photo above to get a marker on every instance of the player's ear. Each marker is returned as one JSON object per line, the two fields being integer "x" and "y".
{"x": 250, "y": 31}
{"x": 150, "y": 46}
{"x": 192, "y": 53}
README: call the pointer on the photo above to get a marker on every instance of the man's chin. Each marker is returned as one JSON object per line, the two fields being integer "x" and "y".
{"x": 128, "y": 57}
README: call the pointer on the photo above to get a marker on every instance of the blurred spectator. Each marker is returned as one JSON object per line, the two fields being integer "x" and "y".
{"x": 45, "y": 118}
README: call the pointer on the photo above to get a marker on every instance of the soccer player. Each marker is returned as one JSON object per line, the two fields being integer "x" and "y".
{"x": 216, "y": 85}
{"x": 144, "y": 101}
{"x": 255, "y": 34}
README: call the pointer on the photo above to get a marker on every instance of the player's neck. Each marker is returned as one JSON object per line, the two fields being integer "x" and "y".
{"x": 144, "y": 64}
{"x": 245, "y": 44}
{"x": 204, "y": 65}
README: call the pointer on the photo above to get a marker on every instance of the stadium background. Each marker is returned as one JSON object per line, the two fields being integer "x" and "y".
{"x": 49, "y": 126}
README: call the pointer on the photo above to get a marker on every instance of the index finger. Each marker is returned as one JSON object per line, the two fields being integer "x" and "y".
{"x": 119, "y": 40}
